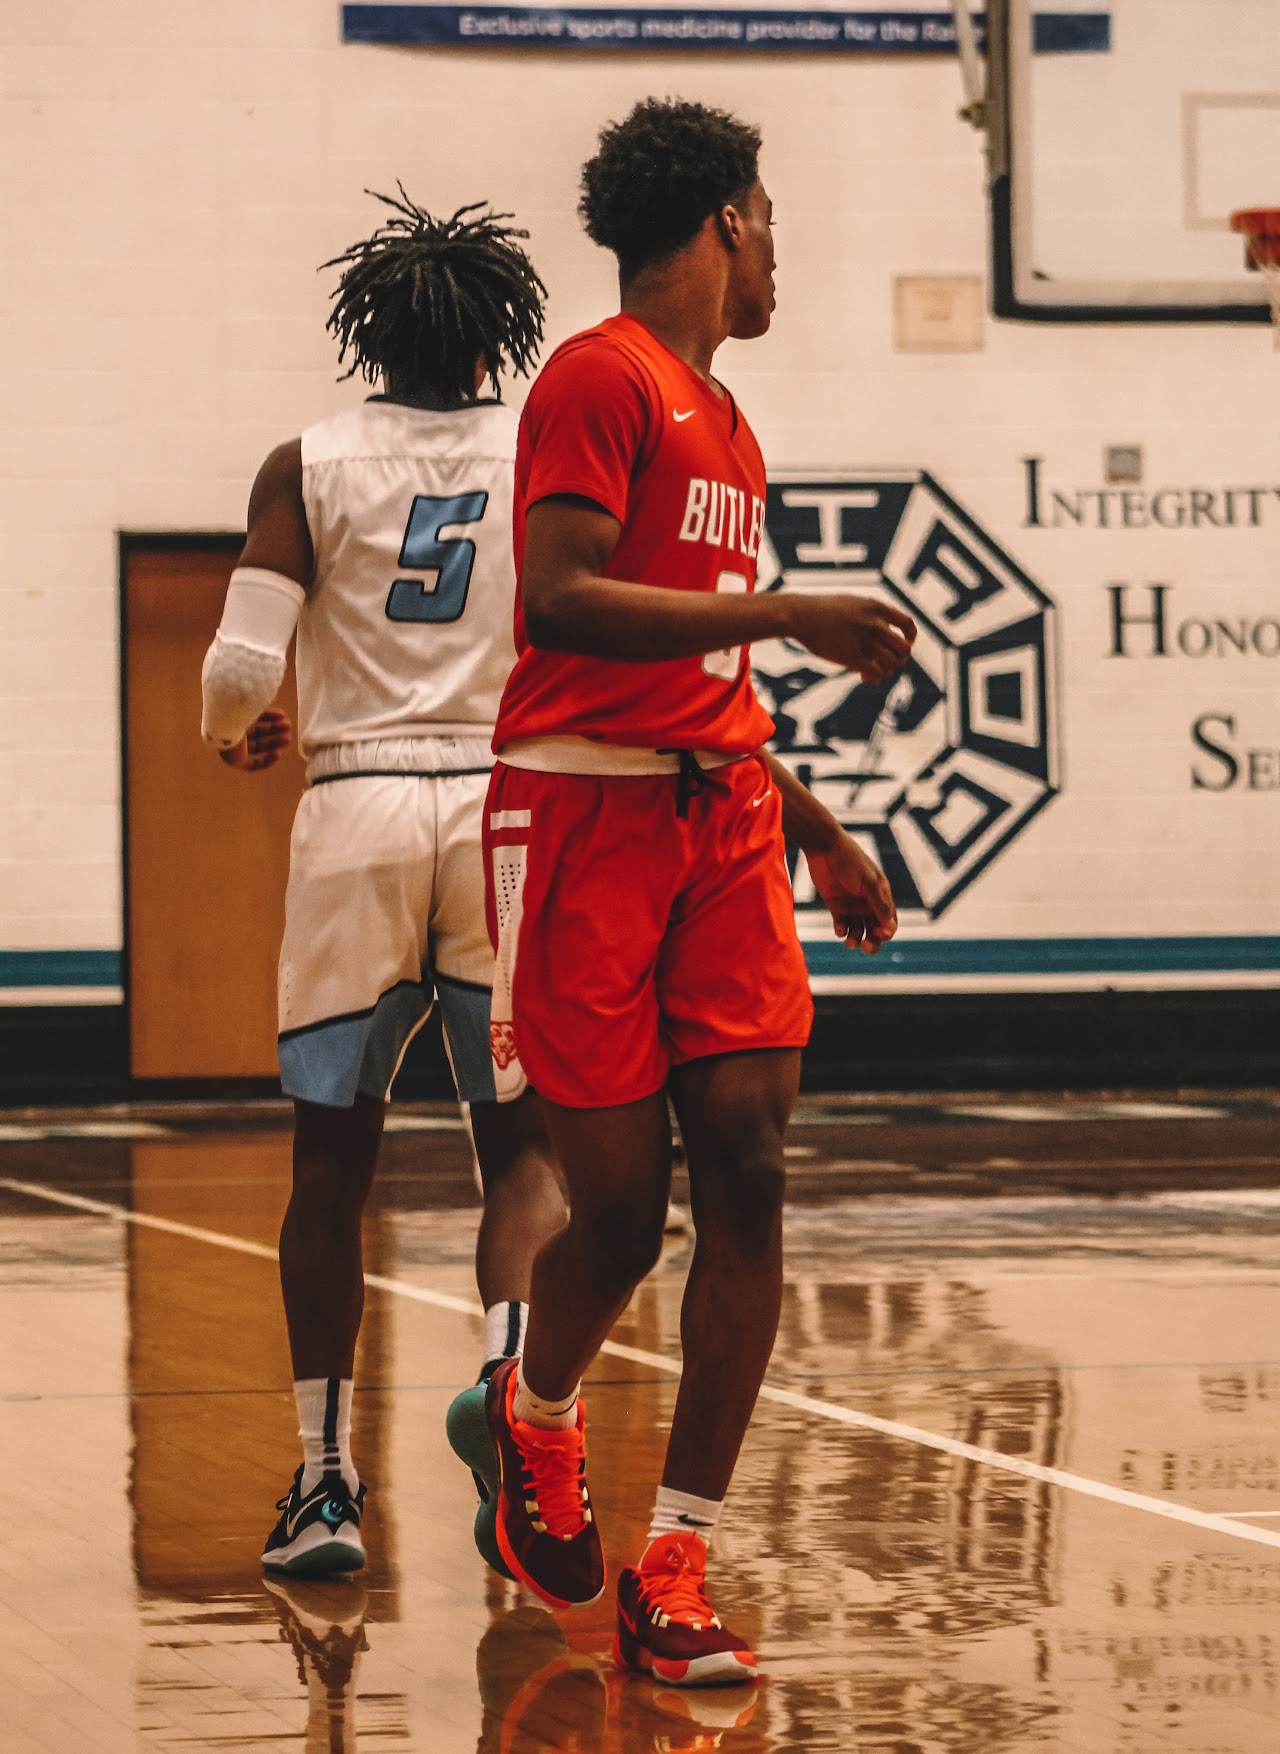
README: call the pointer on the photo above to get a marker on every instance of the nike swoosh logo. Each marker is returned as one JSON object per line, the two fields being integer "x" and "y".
{"x": 693, "y": 1522}
{"x": 679, "y": 417}
{"x": 755, "y": 805}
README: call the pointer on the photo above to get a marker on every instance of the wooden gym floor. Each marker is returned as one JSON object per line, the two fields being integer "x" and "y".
{"x": 1015, "y": 1484}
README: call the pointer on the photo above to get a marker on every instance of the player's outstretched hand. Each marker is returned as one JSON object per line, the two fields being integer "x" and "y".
{"x": 857, "y": 893}
{"x": 858, "y": 633}
{"x": 263, "y": 743}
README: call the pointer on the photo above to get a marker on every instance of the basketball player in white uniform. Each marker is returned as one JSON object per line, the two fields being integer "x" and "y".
{"x": 382, "y": 538}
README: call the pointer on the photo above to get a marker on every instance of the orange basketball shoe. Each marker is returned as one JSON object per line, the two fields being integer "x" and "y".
{"x": 545, "y": 1527}
{"x": 666, "y": 1625}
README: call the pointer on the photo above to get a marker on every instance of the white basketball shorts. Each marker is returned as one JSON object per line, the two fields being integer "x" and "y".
{"x": 384, "y": 910}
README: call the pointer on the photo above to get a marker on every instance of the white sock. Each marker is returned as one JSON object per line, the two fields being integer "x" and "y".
{"x": 324, "y": 1425}
{"x": 675, "y": 1513}
{"x": 531, "y": 1409}
{"x": 504, "y": 1325}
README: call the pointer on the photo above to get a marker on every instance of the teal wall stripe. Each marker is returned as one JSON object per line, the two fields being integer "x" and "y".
{"x": 917, "y": 956}
{"x": 61, "y": 968}
{"x": 1050, "y": 956}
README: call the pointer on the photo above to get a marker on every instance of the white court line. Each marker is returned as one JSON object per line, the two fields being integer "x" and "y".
{"x": 35, "y": 1131}
{"x": 867, "y": 1163}
{"x": 403, "y": 1123}
{"x": 219, "y": 1239}
{"x": 1069, "y": 1112}
{"x": 970, "y": 1452}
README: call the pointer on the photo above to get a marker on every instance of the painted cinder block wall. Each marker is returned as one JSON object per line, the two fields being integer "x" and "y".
{"x": 175, "y": 173}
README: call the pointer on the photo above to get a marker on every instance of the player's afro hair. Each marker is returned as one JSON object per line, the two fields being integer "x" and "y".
{"x": 659, "y": 174}
{"x": 423, "y": 298}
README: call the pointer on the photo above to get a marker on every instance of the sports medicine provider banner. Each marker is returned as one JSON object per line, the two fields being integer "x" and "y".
{"x": 880, "y": 32}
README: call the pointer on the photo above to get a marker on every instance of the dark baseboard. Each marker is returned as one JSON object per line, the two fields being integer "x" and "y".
{"x": 946, "y": 1041}
{"x": 63, "y": 1053}
{"x": 1108, "y": 1040}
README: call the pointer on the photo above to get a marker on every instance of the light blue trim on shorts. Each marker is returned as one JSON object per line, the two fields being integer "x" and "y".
{"x": 331, "y": 1061}
{"x": 464, "y": 1010}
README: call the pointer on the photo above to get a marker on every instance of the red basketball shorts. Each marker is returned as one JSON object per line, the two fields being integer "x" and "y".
{"x": 630, "y": 939}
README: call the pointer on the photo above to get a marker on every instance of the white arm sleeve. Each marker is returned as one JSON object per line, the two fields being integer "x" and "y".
{"x": 244, "y": 667}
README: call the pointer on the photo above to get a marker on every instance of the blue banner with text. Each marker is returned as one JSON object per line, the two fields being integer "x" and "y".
{"x": 881, "y": 32}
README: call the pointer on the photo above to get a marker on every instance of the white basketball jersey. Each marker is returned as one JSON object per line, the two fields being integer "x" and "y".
{"x": 407, "y": 627}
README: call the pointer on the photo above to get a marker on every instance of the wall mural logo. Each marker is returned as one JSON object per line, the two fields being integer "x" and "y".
{"x": 940, "y": 768}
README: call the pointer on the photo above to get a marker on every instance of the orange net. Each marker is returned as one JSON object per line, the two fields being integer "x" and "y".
{"x": 1260, "y": 227}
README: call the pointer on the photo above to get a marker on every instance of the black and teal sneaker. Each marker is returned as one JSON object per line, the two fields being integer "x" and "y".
{"x": 319, "y": 1535}
{"x": 468, "y": 1432}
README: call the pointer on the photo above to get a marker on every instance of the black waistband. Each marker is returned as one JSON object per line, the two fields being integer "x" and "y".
{"x": 401, "y": 773}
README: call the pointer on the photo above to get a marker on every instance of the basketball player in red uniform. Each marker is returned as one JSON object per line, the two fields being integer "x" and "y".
{"x": 638, "y": 894}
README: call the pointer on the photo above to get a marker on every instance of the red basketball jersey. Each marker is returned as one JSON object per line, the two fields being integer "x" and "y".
{"x": 616, "y": 418}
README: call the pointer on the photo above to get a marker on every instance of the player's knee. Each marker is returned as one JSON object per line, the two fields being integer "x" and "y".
{"x": 511, "y": 1143}
{"x": 762, "y": 1183}
{"x": 334, "y": 1183}
{"x": 745, "y": 1211}
{"x": 528, "y": 1174}
{"x": 335, "y": 1151}
{"x": 623, "y": 1245}
{"x": 330, "y": 1199}
{"x": 633, "y": 1257}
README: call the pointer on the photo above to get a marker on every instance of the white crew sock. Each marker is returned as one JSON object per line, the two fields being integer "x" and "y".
{"x": 531, "y": 1409}
{"x": 504, "y": 1325}
{"x": 324, "y": 1425}
{"x": 676, "y": 1513}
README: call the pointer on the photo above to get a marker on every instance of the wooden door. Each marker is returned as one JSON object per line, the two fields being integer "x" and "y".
{"x": 206, "y": 847}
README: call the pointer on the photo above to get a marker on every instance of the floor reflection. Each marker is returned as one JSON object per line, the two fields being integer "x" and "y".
{"x": 324, "y": 1628}
{"x": 903, "y": 1599}
{"x": 535, "y": 1692}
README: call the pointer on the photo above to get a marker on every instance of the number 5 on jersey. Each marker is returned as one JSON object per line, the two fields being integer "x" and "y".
{"x": 728, "y": 662}
{"x": 424, "y": 550}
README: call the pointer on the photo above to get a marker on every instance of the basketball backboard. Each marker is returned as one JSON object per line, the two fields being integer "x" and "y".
{"x": 1121, "y": 141}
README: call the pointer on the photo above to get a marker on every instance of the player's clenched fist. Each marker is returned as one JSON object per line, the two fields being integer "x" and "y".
{"x": 858, "y": 633}
{"x": 263, "y": 743}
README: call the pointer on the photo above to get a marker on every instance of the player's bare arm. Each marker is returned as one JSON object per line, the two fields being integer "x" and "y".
{"x": 852, "y": 885}
{"x": 570, "y": 606}
{"x": 278, "y": 538}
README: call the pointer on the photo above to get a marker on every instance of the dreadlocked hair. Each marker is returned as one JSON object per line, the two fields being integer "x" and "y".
{"x": 659, "y": 173}
{"x": 422, "y": 299}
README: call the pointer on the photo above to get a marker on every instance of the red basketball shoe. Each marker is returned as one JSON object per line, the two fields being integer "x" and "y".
{"x": 546, "y": 1530}
{"x": 666, "y": 1625}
